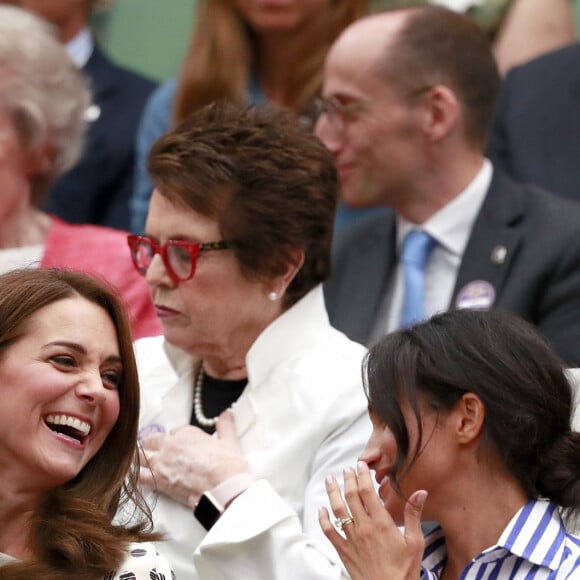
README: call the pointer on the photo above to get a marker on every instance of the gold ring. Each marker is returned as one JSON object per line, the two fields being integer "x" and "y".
{"x": 341, "y": 523}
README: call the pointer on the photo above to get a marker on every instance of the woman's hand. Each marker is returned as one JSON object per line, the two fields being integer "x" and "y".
{"x": 373, "y": 547}
{"x": 186, "y": 462}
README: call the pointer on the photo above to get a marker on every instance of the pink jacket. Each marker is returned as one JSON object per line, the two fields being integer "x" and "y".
{"x": 103, "y": 252}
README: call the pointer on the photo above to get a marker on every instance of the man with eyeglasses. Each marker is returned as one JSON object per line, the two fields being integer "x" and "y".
{"x": 407, "y": 99}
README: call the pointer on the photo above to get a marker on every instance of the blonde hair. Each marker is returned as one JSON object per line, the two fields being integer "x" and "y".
{"x": 217, "y": 66}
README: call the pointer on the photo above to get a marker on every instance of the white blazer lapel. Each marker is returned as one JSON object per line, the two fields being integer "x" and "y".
{"x": 245, "y": 413}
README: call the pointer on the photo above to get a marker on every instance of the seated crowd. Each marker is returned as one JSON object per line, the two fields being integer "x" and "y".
{"x": 343, "y": 339}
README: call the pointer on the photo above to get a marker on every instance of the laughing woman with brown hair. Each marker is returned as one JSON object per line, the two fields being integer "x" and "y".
{"x": 68, "y": 433}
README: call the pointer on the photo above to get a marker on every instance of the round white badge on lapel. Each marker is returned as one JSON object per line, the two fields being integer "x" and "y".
{"x": 477, "y": 295}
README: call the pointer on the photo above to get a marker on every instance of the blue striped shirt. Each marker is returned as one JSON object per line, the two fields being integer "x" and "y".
{"x": 534, "y": 545}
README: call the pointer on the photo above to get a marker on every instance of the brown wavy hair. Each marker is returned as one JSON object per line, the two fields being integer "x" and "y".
{"x": 73, "y": 535}
{"x": 218, "y": 63}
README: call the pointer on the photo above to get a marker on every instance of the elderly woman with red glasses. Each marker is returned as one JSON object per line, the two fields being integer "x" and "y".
{"x": 237, "y": 245}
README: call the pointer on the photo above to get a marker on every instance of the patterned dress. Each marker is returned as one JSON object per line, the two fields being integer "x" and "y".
{"x": 143, "y": 562}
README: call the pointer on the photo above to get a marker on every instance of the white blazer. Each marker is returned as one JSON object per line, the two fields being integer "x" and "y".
{"x": 301, "y": 417}
{"x": 574, "y": 377}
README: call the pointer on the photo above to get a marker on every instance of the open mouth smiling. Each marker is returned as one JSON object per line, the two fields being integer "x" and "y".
{"x": 68, "y": 426}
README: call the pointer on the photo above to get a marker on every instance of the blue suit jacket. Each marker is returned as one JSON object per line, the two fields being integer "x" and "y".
{"x": 536, "y": 134}
{"x": 539, "y": 279}
{"x": 97, "y": 189}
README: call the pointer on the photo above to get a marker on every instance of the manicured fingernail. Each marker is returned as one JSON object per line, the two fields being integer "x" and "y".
{"x": 330, "y": 480}
{"x": 420, "y": 499}
{"x": 348, "y": 470}
{"x": 362, "y": 466}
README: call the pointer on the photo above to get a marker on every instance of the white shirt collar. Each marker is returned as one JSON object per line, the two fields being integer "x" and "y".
{"x": 295, "y": 330}
{"x": 458, "y": 5}
{"x": 451, "y": 226}
{"x": 81, "y": 47}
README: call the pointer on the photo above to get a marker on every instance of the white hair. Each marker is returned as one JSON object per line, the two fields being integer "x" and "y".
{"x": 42, "y": 91}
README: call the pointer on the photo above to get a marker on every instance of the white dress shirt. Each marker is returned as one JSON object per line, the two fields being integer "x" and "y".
{"x": 451, "y": 227}
{"x": 81, "y": 47}
{"x": 458, "y": 5}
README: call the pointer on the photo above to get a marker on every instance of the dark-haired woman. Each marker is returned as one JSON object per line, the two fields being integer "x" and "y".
{"x": 471, "y": 416}
{"x": 68, "y": 433}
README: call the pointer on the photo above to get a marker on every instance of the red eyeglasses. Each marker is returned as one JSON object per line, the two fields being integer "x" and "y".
{"x": 179, "y": 257}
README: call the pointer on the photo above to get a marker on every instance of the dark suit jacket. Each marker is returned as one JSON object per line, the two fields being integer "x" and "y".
{"x": 97, "y": 189}
{"x": 539, "y": 278}
{"x": 536, "y": 134}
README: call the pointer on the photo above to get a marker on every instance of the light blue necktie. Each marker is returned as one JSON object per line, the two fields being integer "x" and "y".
{"x": 417, "y": 246}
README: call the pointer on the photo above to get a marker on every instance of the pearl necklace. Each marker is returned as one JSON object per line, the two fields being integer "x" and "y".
{"x": 197, "y": 401}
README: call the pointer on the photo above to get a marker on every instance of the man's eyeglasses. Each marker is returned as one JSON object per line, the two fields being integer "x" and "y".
{"x": 339, "y": 114}
{"x": 179, "y": 257}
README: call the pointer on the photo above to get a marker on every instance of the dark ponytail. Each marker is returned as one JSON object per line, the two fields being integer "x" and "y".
{"x": 559, "y": 475}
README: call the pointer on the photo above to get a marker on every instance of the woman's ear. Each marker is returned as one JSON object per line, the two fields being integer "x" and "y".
{"x": 469, "y": 414}
{"x": 280, "y": 283}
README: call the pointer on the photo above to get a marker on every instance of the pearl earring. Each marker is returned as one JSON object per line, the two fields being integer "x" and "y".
{"x": 273, "y": 296}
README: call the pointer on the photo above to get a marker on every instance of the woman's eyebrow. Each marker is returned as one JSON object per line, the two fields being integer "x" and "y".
{"x": 72, "y": 345}
{"x": 82, "y": 350}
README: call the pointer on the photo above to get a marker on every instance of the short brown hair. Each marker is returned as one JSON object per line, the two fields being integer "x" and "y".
{"x": 269, "y": 183}
{"x": 438, "y": 46}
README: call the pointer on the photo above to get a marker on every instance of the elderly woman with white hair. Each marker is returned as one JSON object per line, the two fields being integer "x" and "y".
{"x": 43, "y": 104}
{"x": 96, "y": 190}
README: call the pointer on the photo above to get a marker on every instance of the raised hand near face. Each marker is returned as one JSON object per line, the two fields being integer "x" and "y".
{"x": 373, "y": 547}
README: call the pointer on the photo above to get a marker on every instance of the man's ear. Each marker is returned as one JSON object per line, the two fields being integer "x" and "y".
{"x": 469, "y": 417}
{"x": 443, "y": 108}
